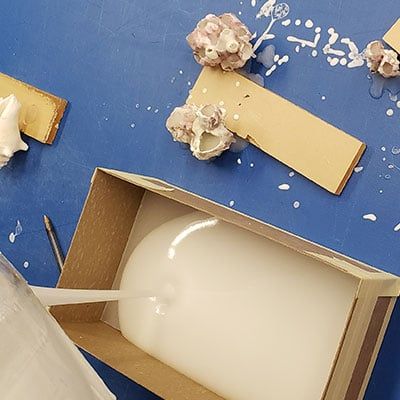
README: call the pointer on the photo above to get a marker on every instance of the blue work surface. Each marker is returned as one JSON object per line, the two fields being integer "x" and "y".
{"x": 123, "y": 65}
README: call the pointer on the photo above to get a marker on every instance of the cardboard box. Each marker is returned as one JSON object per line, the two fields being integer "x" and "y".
{"x": 119, "y": 212}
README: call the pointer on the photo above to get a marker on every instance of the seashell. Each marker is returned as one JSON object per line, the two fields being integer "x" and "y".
{"x": 389, "y": 66}
{"x": 222, "y": 40}
{"x": 382, "y": 60}
{"x": 203, "y": 128}
{"x": 10, "y": 137}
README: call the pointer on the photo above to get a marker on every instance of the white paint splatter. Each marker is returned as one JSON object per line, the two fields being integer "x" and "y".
{"x": 296, "y": 204}
{"x": 237, "y": 84}
{"x": 286, "y": 22}
{"x": 26, "y": 264}
{"x": 239, "y": 161}
{"x": 18, "y": 230}
{"x": 333, "y": 61}
{"x": 133, "y": 125}
{"x": 314, "y": 53}
{"x": 148, "y": 108}
{"x": 251, "y": 165}
{"x": 253, "y": 3}
{"x": 309, "y": 24}
{"x": 389, "y": 112}
{"x": 317, "y": 29}
{"x": 231, "y": 203}
{"x": 370, "y": 217}
{"x": 276, "y": 57}
{"x": 291, "y": 174}
{"x": 180, "y": 72}
{"x": 303, "y": 42}
{"x": 221, "y": 103}
{"x": 383, "y": 148}
{"x": 397, "y": 228}
{"x": 297, "y": 22}
{"x": 395, "y": 150}
{"x": 156, "y": 111}
{"x": 204, "y": 90}
{"x": 137, "y": 105}
{"x": 398, "y": 104}
{"x": 236, "y": 117}
{"x": 270, "y": 71}
{"x": 358, "y": 169}
{"x": 323, "y": 98}
{"x": 283, "y": 60}
{"x": 284, "y": 186}
{"x": 343, "y": 61}
{"x": 297, "y": 49}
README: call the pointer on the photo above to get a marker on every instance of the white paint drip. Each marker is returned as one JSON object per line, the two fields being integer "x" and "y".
{"x": 276, "y": 57}
{"x": 231, "y": 203}
{"x": 26, "y": 264}
{"x": 286, "y": 22}
{"x": 303, "y": 42}
{"x": 239, "y": 161}
{"x": 397, "y": 228}
{"x": 296, "y": 204}
{"x": 253, "y": 3}
{"x": 309, "y": 24}
{"x": 283, "y": 60}
{"x": 18, "y": 230}
{"x": 354, "y": 54}
{"x": 370, "y": 217}
{"x": 297, "y": 49}
{"x": 389, "y": 112}
{"x": 284, "y": 186}
{"x": 271, "y": 70}
{"x": 358, "y": 169}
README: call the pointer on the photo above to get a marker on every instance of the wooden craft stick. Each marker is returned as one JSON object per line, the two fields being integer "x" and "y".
{"x": 392, "y": 36}
{"x": 319, "y": 151}
{"x": 41, "y": 112}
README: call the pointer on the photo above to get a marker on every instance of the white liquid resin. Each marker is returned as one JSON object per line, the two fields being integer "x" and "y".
{"x": 241, "y": 315}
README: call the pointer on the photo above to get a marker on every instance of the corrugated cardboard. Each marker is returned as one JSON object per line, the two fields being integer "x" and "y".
{"x": 116, "y": 206}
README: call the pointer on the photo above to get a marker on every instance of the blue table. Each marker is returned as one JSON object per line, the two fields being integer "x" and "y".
{"x": 123, "y": 64}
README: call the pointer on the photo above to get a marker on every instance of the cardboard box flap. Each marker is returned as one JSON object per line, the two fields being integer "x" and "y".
{"x": 304, "y": 246}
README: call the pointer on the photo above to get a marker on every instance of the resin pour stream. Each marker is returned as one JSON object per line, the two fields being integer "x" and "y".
{"x": 243, "y": 316}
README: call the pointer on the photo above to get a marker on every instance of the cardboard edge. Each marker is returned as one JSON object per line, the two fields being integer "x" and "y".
{"x": 60, "y": 106}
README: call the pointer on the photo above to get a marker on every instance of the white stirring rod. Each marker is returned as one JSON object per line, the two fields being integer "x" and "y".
{"x": 58, "y": 296}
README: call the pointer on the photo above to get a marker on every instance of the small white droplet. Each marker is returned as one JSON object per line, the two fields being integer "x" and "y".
{"x": 180, "y": 72}
{"x": 380, "y": 191}
{"x": 251, "y": 165}
{"x": 358, "y": 169}
{"x": 237, "y": 84}
{"x": 204, "y": 90}
{"x": 11, "y": 237}
{"x": 221, "y": 103}
{"x": 276, "y": 57}
{"x": 398, "y": 104}
{"x": 297, "y": 22}
{"x": 133, "y": 125}
{"x": 296, "y": 204}
{"x": 384, "y": 159}
{"x": 397, "y": 228}
{"x": 236, "y": 117}
{"x": 297, "y": 49}
{"x": 231, "y": 203}
{"x": 173, "y": 79}
{"x": 389, "y": 112}
{"x": 26, "y": 264}
{"x": 284, "y": 186}
{"x": 383, "y": 148}
{"x": 309, "y": 24}
{"x": 156, "y": 111}
{"x": 189, "y": 83}
{"x": 240, "y": 13}
{"x": 286, "y": 22}
{"x": 148, "y": 108}
{"x": 343, "y": 61}
{"x": 239, "y": 161}
{"x": 314, "y": 53}
{"x": 137, "y": 105}
{"x": 291, "y": 174}
{"x": 323, "y": 98}
{"x": 370, "y": 217}
{"x": 317, "y": 29}
{"x": 106, "y": 118}
{"x": 390, "y": 166}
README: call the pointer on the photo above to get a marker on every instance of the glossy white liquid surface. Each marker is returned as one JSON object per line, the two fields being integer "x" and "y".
{"x": 241, "y": 315}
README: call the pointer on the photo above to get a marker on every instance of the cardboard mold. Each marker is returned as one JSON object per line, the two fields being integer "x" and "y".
{"x": 122, "y": 208}
{"x": 321, "y": 152}
{"x": 41, "y": 112}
